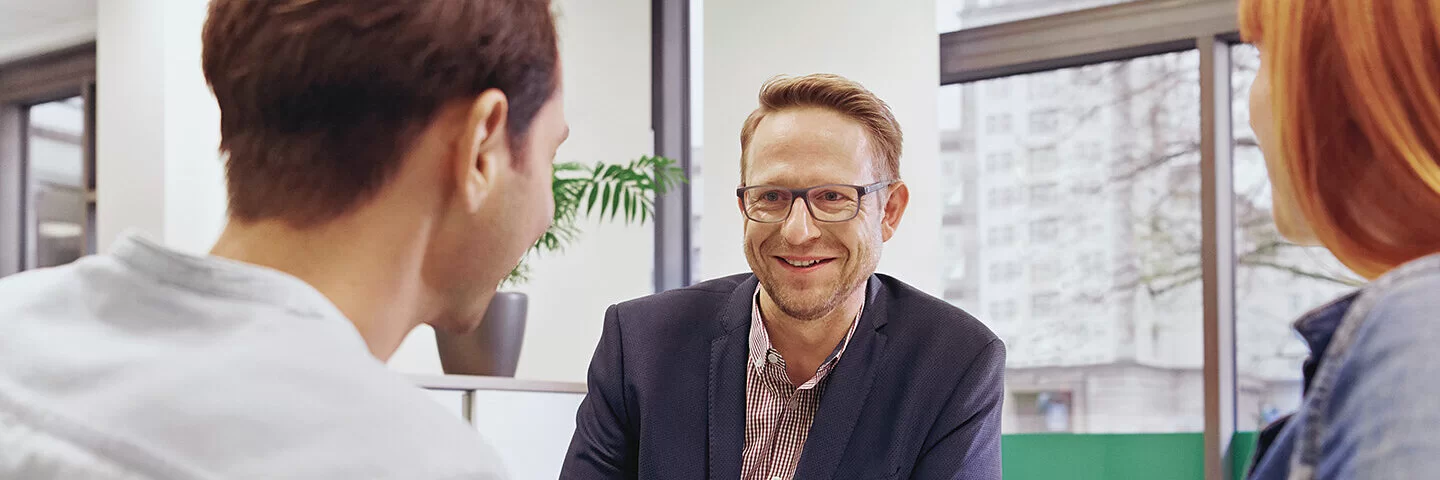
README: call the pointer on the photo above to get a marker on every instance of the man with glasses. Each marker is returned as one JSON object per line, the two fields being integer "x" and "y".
{"x": 812, "y": 366}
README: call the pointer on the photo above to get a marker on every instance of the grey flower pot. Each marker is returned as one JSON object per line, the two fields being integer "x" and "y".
{"x": 493, "y": 348}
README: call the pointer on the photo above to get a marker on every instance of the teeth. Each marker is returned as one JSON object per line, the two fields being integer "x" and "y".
{"x": 801, "y": 264}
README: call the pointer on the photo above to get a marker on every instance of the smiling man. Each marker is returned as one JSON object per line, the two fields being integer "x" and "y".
{"x": 812, "y": 366}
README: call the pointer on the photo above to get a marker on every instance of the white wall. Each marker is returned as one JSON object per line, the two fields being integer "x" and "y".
{"x": 889, "y": 46}
{"x": 605, "y": 51}
{"x": 158, "y": 168}
{"x": 30, "y": 27}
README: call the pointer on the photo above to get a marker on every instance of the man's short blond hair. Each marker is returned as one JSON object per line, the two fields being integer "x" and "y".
{"x": 838, "y": 94}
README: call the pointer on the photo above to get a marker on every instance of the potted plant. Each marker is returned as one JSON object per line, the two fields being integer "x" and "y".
{"x": 608, "y": 192}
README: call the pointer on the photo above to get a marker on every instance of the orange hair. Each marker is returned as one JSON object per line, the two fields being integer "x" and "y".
{"x": 841, "y": 95}
{"x": 1356, "y": 100}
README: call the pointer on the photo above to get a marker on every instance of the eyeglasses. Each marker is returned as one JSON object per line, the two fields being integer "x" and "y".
{"x": 827, "y": 203}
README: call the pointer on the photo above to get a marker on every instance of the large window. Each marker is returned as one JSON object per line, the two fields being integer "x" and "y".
{"x": 1125, "y": 323}
{"x": 1107, "y": 334}
{"x": 1275, "y": 280}
{"x": 47, "y": 182}
{"x": 58, "y": 196}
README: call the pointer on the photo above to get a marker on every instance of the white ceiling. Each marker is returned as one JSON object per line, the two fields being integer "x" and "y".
{"x": 32, "y": 27}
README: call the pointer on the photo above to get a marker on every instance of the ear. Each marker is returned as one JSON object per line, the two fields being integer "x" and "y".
{"x": 485, "y": 147}
{"x": 895, "y": 204}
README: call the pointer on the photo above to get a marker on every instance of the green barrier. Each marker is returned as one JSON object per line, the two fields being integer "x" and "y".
{"x": 1177, "y": 456}
{"x": 1242, "y": 447}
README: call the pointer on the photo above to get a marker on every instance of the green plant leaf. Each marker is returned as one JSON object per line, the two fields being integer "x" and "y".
{"x": 629, "y": 207}
{"x": 614, "y": 204}
{"x": 604, "y": 202}
{"x": 590, "y": 204}
{"x": 580, "y": 189}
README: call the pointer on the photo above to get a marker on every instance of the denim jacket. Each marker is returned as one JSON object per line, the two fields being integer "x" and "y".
{"x": 1372, "y": 386}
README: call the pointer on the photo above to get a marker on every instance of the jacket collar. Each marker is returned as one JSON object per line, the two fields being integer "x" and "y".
{"x": 840, "y": 408}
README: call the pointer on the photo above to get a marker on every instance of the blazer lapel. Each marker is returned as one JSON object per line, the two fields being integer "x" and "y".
{"x": 849, "y": 387}
{"x": 728, "y": 351}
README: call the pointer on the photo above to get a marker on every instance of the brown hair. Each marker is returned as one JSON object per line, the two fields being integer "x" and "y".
{"x": 321, "y": 99}
{"x": 1356, "y": 102}
{"x": 841, "y": 95}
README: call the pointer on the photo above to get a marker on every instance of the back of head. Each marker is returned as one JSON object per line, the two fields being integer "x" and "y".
{"x": 841, "y": 95}
{"x": 1356, "y": 107}
{"x": 321, "y": 99}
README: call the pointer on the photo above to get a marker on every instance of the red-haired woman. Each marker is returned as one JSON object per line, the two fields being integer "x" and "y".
{"x": 1347, "y": 110}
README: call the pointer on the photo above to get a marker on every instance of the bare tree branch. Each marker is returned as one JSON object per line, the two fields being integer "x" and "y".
{"x": 1155, "y": 163}
{"x": 1303, "y": 273}
{"x": 1158, "y": 291}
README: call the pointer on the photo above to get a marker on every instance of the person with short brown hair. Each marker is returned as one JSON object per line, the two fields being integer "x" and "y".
{"x": 812, "y": 366}
{"x": 388, "y": 163}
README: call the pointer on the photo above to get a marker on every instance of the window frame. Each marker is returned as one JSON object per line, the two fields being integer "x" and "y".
{"x": 1125, "y": 31}
{"x": 24, "y": 83}
{"x": 671, "y": 103}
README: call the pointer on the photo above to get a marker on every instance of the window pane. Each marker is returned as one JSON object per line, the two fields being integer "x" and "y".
{"x": 1089, "y": 249}
{"x": 952, "y": 15}
{"x": 58, "y": 215}
{"x": 1275, "y": 281}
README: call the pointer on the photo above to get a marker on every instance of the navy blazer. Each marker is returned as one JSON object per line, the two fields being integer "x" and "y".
{"x": 917, "y": 393}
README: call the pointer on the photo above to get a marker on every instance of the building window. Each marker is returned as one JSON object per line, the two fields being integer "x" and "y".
{"x": 1002, "y": 236}
{"x": 1005, "y": 197}
{"x": 1003, "y": 310}
{"x": 997, "y": 89}
{"x": 1002, "y": 272}
{"x": 998, "y": 124}
{"x": 1044, "y": 304}
{"x": 1044, "y": 85}
{"x": 1045, "y": 231}
{"x": 1044, "y": 194}
{"x": 958, "y": 271}
{"x": 952, "y": 241}
{"x": 1091, "y": 262}
{"x": 1045, "y": 270}
{"x": 1045, "y": 122}
{"x": 1044, "y": 160}
{"x": 1000, "y": 162}
{"x": 1044, "y": 411}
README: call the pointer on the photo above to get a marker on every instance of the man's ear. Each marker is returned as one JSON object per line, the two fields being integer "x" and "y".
{"x": 485, "y": 147}
{"x": 895, "y": 204}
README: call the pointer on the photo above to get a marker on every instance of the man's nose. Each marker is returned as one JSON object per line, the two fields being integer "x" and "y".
{"x": 799, "y": 227}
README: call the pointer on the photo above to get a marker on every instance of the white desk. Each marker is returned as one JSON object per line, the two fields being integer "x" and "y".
{"x": 528, "y": 422}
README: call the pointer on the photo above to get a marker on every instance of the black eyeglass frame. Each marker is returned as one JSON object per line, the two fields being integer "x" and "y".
{"x": 804, "y": 194}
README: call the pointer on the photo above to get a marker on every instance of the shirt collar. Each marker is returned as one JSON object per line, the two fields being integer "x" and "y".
{"x": 1318, "y": 326}
{"x": 760, "y": 338}
{"x": 220, "y": 277}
